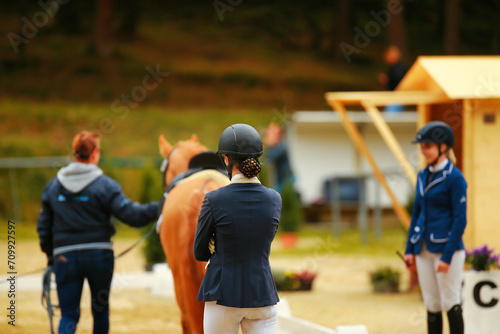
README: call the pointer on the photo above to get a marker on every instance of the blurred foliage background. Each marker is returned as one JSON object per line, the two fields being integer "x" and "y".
{"x": 132, "y": 70}
{"x": 226, "y": 53}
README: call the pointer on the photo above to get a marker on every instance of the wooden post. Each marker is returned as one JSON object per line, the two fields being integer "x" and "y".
{"x": 335, "y": 205}
{"x": 467, "y": 166}
{"x": 391, "y": 141}
{"x": 363, "y": 210}
{"x": 424, "y": 115}
{"x": 358, "y": 140}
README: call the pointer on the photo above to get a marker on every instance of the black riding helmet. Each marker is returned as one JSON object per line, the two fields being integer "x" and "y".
{"x": 436, "y": 132}
{"x": 239, "y": 141}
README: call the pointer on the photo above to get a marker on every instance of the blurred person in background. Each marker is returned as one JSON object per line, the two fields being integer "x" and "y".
{"x": 277, "y": 156}
{"x": 75, "y": 231}
{"x": 396, "y": 70}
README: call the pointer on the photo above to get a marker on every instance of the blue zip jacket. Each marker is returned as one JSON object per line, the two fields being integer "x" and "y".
{"x": 77, "y": 206}
{"x": 439, "y": 214}
{"x": 244, "y": 218}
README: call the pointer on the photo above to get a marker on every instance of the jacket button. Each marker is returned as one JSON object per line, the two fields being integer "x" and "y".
{"x": 417, "y": 229}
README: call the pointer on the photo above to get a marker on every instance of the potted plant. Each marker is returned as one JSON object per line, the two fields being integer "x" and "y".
{"x": 284, "y": 280}
{"x": 294, "y": 281}
{"x": 385, "y": 279}
{"x": 151, "y": 189}
{"x": 482, "y": 259}
{"x": 291, "y": 216}
{"x": 481, "y": 281}
{"x": 305, "y": 278}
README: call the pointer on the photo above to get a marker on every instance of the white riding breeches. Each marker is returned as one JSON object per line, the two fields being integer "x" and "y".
{"x": 440, "y": 291}
{"x": 219, "y": 319}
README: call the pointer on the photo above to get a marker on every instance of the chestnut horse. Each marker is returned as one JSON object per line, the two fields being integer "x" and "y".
{"x": 180, "y": 217}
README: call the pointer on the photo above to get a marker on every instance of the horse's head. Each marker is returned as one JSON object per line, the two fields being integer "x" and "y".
{"x": 179, "y": 155}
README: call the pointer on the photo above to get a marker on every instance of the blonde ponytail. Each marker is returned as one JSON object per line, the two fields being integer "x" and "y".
{"x": 451, "y": 155}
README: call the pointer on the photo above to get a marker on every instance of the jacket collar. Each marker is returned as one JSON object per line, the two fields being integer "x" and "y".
{"x": 240, "y": 178}
{"x": 439, "y": 167}
{"x": 442, "y": 174}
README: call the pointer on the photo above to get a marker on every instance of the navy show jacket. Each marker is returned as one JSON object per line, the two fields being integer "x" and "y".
{"x": 243, "y": 218}
{"x": 439, "y": 215}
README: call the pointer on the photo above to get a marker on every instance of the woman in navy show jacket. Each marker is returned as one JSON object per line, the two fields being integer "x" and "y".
{"x": 75, "y": 231}
{"x": 242, "y": 217}
{"x": 438, "y": 222}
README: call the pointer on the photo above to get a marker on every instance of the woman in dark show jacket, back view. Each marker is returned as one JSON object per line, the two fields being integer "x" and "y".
{"x": 242, "y": 217}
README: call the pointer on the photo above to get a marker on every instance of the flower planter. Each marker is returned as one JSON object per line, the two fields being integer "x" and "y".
{"x": 385, "y": 287}
{"x": 481, "y": 302}
{"x": 385, "y": 280}
{"x": 290, "y": 281}
{"x": 296, "y": 286}
{"x": 288, "y": 239}
{"x": 305, "y": 286}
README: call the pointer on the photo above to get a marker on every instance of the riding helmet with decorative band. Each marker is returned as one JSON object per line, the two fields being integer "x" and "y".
{"x": 239, "y": 141}
{"x": 436, "y": 132}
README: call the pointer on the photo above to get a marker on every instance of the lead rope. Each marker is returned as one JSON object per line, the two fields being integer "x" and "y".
{"x": 128, "y": 249}
{"x": 46, "y": 301}
{"x": 47, "y": 277}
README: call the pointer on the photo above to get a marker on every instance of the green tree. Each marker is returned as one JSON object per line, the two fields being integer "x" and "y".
{"x": 291, "y": 212}
{"x": 151, "y": 190}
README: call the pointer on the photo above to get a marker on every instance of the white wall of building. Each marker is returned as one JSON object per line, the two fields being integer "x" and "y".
{"x": 319, "y": 149}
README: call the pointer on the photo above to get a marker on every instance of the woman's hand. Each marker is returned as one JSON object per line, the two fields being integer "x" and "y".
{"x": 409, "y": 261}
{"x": 443, "y": 267}
{"x": 211, "y": 245}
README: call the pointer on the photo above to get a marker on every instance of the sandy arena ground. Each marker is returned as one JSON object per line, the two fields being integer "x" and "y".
{"x": 341, "y": 295}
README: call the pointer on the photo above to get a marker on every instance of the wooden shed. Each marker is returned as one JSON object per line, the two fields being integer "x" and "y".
{"x": 464, "y": 92}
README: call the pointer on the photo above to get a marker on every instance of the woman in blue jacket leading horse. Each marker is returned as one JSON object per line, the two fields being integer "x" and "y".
{"x": 438, "y": 222}
{"x": 75, "y": 231}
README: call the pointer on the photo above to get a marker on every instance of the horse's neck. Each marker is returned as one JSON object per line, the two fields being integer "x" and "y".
{"x": 207, "y": 174}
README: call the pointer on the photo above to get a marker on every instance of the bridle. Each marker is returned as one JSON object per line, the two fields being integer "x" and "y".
{"x": 164, "y": 167}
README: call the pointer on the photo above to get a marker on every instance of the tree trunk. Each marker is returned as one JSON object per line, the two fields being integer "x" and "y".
{"x": 451, "y": 20}
{"x": 102, "y": 41}
{"x": 341, "y": 33}
{"x": 397, "y": 30}
{"x": 130, "y": 18}
{"x": 69, "y": 17}
{"x": 316, "y": 33}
